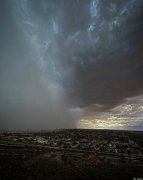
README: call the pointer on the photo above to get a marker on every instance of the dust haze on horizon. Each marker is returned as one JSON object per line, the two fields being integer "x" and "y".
{"x": 71, "y": 63}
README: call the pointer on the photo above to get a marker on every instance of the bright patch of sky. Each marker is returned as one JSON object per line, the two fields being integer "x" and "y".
{"x": 128, "y": 115}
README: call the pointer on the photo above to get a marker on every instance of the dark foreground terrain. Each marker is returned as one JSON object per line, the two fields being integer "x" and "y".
{"x": 72, "y": 154}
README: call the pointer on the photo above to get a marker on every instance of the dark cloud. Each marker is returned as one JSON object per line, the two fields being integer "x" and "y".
{"x": 89, "y": 51}
{"x": 113, "y": 68}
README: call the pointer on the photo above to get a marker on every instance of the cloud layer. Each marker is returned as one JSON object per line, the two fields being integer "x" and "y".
{"x": 59, "y": 59}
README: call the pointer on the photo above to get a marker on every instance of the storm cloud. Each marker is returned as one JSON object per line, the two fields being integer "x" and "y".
{"x": 60, "y": 58}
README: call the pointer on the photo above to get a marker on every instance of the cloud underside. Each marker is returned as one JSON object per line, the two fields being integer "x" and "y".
{"x": 128, "y": 115}
{"x": 58, "y": 55}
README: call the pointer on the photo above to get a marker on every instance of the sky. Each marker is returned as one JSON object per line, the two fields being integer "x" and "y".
{"x": 71, "y": 64}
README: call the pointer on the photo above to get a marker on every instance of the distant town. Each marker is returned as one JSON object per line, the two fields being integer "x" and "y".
{"x": 76, "y": 147}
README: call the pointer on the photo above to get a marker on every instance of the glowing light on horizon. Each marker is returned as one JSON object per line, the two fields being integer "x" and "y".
{"x": 96, "y": 123}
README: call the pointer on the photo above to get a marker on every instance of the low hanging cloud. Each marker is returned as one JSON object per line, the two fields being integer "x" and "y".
{"x": 60, "y": 59}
